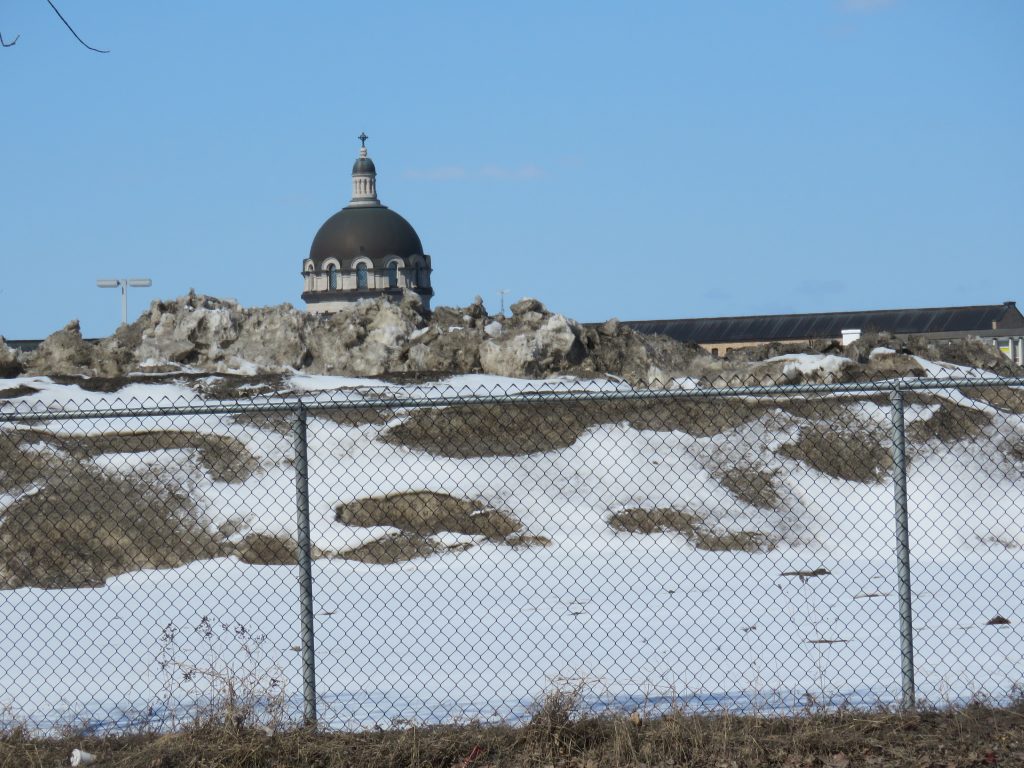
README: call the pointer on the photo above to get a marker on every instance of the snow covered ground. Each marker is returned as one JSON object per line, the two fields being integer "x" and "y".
{"x": 636, "y": 620}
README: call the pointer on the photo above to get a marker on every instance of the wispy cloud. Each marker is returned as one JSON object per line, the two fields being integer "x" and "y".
{"x": 866, "y": 6}
{"x": 441, "y": 173}
{"x": 462, "y": 173}
{"x": 522, "y": 172}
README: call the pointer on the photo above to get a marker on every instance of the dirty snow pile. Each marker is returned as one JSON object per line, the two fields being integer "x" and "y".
{"x": 369, "y": 338}
{"x": 382, "y": 338}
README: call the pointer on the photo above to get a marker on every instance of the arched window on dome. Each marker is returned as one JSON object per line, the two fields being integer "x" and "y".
{"x": 361, "y": 277}
{"x": 332, "y": 278}
{"x": 393, "y": 274}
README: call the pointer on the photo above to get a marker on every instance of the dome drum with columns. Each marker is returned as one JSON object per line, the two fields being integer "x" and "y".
{"x": 364, "y": 251}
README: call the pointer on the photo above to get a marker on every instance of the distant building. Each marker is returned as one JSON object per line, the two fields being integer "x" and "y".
{"x": 365, "y": 250}
{"x": 1002, "y": 325}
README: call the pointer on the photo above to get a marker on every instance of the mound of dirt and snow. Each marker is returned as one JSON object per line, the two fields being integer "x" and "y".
{"x": 10, "y": 363}
{"x": 968, "y": 352}
{"x": 370, "y": 338}
{"x": 872, "y": 356}
{"x": 381, "y": 338}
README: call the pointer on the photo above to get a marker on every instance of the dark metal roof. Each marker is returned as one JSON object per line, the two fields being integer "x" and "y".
{"x": 373, "y": 231}
{"x": 363, "y": 165}
{"x": 828, "y": 325}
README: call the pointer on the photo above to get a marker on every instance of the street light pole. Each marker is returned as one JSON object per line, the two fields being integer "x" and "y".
{"x": 124, "y": 284}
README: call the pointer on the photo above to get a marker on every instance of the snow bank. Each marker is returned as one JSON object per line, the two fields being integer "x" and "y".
{"x": 483, "y": 629}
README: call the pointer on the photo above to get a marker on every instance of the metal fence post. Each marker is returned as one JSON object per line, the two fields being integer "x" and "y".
{"x": 305, "y": 566}
{"x": 899, "y": 477}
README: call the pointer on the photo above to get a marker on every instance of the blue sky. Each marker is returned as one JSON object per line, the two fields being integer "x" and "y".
{"x": 629, "y": 159}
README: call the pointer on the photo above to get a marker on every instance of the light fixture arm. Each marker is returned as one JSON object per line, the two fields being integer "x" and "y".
{"x": 123, "y": 284}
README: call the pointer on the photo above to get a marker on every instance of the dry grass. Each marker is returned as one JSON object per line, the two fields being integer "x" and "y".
{"x": 279, "y": 422}
{"x": 419, "y": 515}
{"x": 21, "y": 465}
{"x": 658, "y": 520}
{"x": 559, "y": 736}
{"x": 110, "y": 384}
{"x": 425, "y": 512}
{"x": 394, "y": 548}
{"x": 225, "y": 386}
{"x": 692, "y": 526}
{"x": 86, "y": 526}
{"x": 229, "y": 386}
{"x": 264, "y": 549}
{"x": 105, "y": 384}
{"x": 522, "y": 428}
{"x": 848, "y": 412}
{"x": 283, "y": 422}
{"x": 1005, "y": 398}
{"x": 226, "y": 458}
{"x": 910, "y": 397}
{"x": 857, "y": 455}
{"x": 81, "y": 526}
{"x": 816, "y": 408}
{"x": 525, "y": 540}
{"x": 837, "y": 412}
{"x": 354, "y": 417}
{"x": 1016, "y": 448}
{"x": 468, "y": 431}
{"x": 19, "y": 391}
{"x": 949, "y": 424}
{"x": 701, "y": 418}
{"x": 751, "y": 485}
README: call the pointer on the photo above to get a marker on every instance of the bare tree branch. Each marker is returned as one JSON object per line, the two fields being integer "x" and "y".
{"x": 8, "y": 45}
{"x": 61, "y": 17}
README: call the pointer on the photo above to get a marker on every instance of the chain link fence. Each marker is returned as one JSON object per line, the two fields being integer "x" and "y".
{"x": 384, "y": 555}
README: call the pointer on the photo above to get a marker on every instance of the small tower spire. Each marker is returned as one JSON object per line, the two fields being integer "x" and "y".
{"x": 364, "y": 177}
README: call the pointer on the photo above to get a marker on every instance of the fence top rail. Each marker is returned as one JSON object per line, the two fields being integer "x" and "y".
{"x": 409, "y": 398}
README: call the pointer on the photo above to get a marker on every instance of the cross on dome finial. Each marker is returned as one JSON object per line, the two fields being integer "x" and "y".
{"x": 364, "y": 177}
